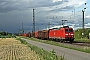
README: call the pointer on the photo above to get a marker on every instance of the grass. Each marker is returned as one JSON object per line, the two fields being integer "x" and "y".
{"x": 82, "y": 40}
{"x": 42, "y": 53}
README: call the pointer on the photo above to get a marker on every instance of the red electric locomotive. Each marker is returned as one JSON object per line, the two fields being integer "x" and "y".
{"x": 63, "y": 34}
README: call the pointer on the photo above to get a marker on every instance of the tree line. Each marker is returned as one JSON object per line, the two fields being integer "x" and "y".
{"x": 5, "y": 33}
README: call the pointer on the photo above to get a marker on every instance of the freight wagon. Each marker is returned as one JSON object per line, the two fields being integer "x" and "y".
{"x": 36, "y": 34}
{"x": 28, "y": 34}
{"x": 39, "y": 34}
{"x": 45, "y": 34}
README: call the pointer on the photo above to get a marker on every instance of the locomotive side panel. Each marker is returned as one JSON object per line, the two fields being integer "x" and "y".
{"x": 51, "y": 34}
{"x": 63, "y": 33}
{"x": 58, "y": 34}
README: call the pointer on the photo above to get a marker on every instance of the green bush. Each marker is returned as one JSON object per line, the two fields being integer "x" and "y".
{"x": 78, "y": 33}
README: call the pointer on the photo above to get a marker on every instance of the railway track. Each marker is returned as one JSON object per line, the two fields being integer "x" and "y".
{"x": 87, "y": 44}
{"x": 77, "y": 44}
{"x": 74, "y": 44}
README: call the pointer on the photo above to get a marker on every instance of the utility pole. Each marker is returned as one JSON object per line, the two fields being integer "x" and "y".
{"x": 19, "y": 30}
{"x": 22, "y": 29}
{"x": 83, "y": 24}
{"x": 33, "y": 23}
{"x": 83, "y": 21}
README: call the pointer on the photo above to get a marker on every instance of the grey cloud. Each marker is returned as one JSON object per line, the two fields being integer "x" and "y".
{"x": 10, "y": 5}
{"x": 21, "y": 11}
{"x": 66, "y": 8}
{"x": 6, "y": 6}
{"x": 48, "y": 4}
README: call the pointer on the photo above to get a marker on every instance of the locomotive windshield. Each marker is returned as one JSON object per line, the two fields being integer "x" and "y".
{"x": 68, "y": 30}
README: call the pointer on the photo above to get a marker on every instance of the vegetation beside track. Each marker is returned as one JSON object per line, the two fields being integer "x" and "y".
{"x": 83, "y": 49}
{"x": 42, "y": 53}
{"x": 78, "y": 35}
{"x": 82, "y": 40}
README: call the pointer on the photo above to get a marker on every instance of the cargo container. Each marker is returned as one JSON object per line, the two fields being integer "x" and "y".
{"x": 28, "y": 34}
{"x": 45, "y": 34}
{"x": 36, "y": 34}
{"x": 40, "y": 34}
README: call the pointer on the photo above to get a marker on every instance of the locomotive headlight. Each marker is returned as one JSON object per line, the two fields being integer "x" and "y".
{"x": 72, "y": 34}
{"x": 66, "y": 34}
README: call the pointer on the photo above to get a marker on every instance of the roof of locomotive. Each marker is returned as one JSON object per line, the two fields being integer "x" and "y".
{"x": 55, "y": 28}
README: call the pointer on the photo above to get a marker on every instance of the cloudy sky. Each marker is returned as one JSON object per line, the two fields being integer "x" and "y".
{"x": 15, "y": 12}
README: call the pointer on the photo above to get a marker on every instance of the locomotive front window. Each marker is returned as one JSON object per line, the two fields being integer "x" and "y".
{"x": 68, "y": 30}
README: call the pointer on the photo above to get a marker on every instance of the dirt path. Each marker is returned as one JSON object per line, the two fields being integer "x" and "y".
{"x": 60, "y": 51}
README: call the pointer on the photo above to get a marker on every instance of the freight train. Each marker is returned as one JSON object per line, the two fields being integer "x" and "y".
{"x": 61, "y": 34}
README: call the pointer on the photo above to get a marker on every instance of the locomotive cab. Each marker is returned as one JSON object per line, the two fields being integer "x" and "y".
{"x": 69, "y": 34}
